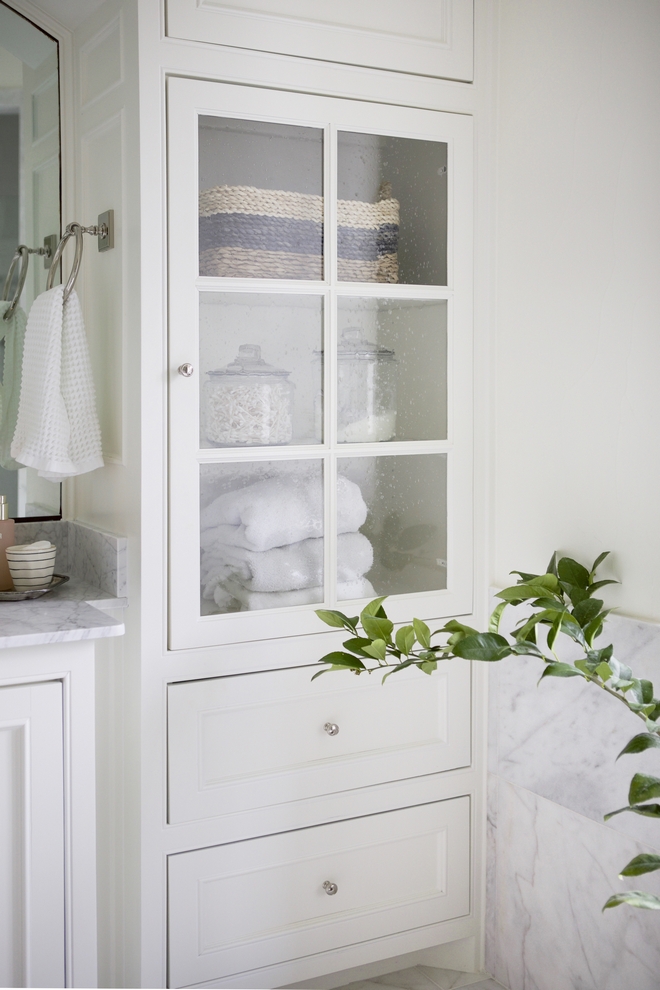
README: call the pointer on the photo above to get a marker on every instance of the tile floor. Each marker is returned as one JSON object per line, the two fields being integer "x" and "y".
{"x": 426, "y": 978}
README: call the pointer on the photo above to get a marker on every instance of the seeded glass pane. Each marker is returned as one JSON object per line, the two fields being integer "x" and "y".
{"x": 260, "y": 199}
{"x": 406, "y": 524}
{"x": 392, "y": 210}
{"x": 261, "y": 357}
{"x": 261, "y": 535}
{"x": 391, "y": 370}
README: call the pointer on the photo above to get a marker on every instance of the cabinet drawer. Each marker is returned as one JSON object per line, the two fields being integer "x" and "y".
{"x": 257, "y": 740}
{"x": 260, "y": 902}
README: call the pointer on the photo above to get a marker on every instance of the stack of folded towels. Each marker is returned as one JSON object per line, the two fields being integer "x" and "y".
{"x": 262, "y": 545}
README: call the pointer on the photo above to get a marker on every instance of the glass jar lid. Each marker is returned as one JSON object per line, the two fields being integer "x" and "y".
{"x": 353, "y": 344}
{"x": 249, "y": 362}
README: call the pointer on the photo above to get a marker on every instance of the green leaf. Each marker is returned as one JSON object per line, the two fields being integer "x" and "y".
{"x": 524, "y": 576}
{"x": 643, "y": 788}
{"x": 483, "y": 646}
{"x": 377, "y": 649}
{"x": 337, "y": 619}
{"x": 405, "y": 639}
{"x": 594, "y": 628}
{"x": 556, "y": 669}
{"x": 399, "y": 666}
{"x": 339, "y": 659}
{"x": 374, "y": 608}
{"x": 647, "y": 810}
{"x": 422, "y": 632}
{"x": 599, "y": 560}
{"x": 645, "y": 740}
{"x": 523, "y": 648}
{"x": 587, "y": 610}
{"x": 636, "y": 898}
{"x": 600, "y": 584}
{"x": 645, "y": 863}
{"x": 554, "y": 631}
{"x": 604, "y": 672}
{"x": 494, "y": 622}
{"x": 552, "y": 566}
{"x": 377, "y": 627}
{"x": 573, "y": 573}
{"x": 357, "y": 646}
{"x": 428, "y": 666}
{"x": 647, "y": 691}
{"x": 519, "y": 593}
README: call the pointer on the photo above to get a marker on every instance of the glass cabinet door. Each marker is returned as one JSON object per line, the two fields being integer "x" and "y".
{"x": 320, "y": 344}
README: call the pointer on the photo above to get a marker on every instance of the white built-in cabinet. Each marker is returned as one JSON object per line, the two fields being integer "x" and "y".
{"x": 320, "y": 335}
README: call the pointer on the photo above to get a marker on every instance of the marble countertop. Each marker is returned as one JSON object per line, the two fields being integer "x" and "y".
{"x": 71, "y": 612}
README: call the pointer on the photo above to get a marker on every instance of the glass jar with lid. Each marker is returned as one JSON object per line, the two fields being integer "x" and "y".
{"x": 366, "y": 389}
{"x": 248, "y": 403}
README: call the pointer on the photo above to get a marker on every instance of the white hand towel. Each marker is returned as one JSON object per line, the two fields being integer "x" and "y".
{"x": 253, "y": 600}
{"x": 57, "y": 430}
{"x": 13, "y": 331}
{"x": 299, "y": 565}
{"x": 279, "y": 511}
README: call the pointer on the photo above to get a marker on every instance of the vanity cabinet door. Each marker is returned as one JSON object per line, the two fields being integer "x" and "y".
{"x": 254, "y": 904}
{"x": 320, "y": 345}
{"x": 273, "y": 741}
{"x": 31, "y": 836}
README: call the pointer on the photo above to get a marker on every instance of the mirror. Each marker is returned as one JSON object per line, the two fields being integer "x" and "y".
{"x": 29, "y": 200}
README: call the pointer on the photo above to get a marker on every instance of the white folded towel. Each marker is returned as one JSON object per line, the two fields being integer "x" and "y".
{"x": 57, "y": 430}
{"x": 13, "y": 331}
{"x": 299, "y": 565}
{"x": 253, "y": 600}
{"x": 279, "y": 511}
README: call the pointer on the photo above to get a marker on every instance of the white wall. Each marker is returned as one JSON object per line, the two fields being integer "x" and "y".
{"x": 577, "y": 354}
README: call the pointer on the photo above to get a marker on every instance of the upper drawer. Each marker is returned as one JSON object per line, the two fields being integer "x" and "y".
{"x": 246, "y": 905}
{"x": 258, "y": 740}
{"x": 423, "y": 37}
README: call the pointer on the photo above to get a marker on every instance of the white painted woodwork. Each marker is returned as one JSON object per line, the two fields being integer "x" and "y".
{"x": 187, "y": 100}
{"x": 32, "y": 906}
{"x": 425, "y": 37}
{"x": 256, "y": 903}
{"x": 240, "y": 743}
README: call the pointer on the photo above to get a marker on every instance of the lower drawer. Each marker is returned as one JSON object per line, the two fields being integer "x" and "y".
{"x": 252, "y": 904}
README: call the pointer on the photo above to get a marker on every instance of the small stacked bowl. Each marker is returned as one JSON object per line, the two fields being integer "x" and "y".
{"x": 31, "y": 565}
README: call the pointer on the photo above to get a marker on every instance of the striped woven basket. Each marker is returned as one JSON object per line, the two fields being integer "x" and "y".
{"x": 246, "y": 232}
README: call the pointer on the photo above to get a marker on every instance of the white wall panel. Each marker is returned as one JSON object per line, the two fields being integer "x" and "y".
{"x": 577, "y": 352}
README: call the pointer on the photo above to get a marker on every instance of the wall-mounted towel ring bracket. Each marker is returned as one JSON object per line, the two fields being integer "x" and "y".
{"x": 22, "y": 255}
{"x": 105, "y": 233}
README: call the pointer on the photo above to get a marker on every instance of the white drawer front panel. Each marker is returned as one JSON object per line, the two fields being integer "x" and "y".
{"x": 258, "y": 740}
{"x": 257, "y": 903}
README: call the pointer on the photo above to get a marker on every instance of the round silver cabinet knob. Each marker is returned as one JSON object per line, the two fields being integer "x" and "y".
{"x": 330, "y": 888}
{"x": 186, "y": 370}
{"x": 331, "y": 728}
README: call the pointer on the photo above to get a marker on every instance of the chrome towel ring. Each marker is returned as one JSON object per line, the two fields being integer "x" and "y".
{"x": 77, "y": 230}
{"x": 73, "y": 230}
{"x": 22, "y": 255}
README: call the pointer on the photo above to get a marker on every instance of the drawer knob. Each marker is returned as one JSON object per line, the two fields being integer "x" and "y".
{"x": 331, "y": 728}
{"x": 186, "y": 370}
{"x": 330, "y": 888}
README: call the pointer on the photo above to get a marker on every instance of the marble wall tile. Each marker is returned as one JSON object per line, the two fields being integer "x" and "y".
{"x": 554, "y": 871}
{"x": 560, "y": 739}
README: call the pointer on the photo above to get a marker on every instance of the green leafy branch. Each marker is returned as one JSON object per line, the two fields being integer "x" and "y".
{"x": 562, "y": 602}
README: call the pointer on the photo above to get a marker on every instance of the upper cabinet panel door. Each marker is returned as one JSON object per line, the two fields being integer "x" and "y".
{"x": 423, "y": 37}
{"x": 320, "y": 334}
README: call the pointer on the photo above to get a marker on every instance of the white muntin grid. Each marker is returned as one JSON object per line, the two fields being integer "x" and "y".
{"x": 187, "y": 290}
